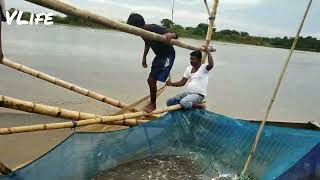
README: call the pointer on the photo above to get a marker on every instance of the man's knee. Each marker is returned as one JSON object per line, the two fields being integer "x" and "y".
{"x": 186, "y": 104}
{"x": 172, "y": 101}
{"x": 151, "y": 81}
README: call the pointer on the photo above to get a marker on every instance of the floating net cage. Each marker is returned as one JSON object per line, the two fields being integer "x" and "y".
{"x": 217, "y": 143}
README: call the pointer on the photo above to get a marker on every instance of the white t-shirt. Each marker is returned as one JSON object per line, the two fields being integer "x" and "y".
{"x": 198, "y": 81}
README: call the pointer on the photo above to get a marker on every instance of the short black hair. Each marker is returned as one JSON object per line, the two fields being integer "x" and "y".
{"x": 197, "y": 54}
{"x": 136, "y": 20}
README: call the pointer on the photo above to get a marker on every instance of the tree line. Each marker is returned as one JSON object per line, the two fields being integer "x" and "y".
{"x": 305, "y": 43}
{"x": 199, "y": 32}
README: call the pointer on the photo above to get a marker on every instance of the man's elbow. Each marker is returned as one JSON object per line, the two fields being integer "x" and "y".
{"x": 209, "y": 67}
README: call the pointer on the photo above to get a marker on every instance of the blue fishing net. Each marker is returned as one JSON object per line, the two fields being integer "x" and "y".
{"x": 211, "y": 139}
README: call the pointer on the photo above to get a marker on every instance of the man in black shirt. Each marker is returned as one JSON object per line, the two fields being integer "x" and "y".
{"x": 165, "y": 56}
{"x": 2, "y": 18}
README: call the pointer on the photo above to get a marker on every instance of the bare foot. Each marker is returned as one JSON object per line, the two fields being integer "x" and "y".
{"x": 199, "y": 106}
{"x": 202, "y": 106}
{"x": 150, "y": 107}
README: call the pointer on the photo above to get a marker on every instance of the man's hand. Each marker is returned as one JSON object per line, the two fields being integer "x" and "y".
{"x": 169, "y": 83}
{"x": 144, "y": 63}
{"x": 207, "y": 49}
{"x": 210, "y": 60}
{"x": 169, "y": 36}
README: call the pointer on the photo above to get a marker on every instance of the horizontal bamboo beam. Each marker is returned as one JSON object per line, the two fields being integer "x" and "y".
{"x": 27, "y": 106}
{"x": 100, "y": 120}
{"x": 66, "y": 8}
{"x": 66, "y": 85}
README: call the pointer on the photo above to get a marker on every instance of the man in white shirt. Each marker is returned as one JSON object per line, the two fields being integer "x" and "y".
{"x": 2, "y": 18}
{"x": 196, "y": 78}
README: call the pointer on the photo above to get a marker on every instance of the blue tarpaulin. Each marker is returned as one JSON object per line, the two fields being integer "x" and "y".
{"x": 282, "y": 153}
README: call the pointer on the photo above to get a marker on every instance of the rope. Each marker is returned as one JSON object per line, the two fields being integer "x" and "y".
{"x": 207, "y": 7}
{"x": 211, "y": 25}
{"x": 172, "y": 10}
{"x": 252, "y": 152}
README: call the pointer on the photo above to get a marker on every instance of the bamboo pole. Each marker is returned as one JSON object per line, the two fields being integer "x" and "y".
{"x": 207, "y": 7}
{"x": 135, "y": 104}
{"x": 4, "y": 170}
{"x": 66, "y": 85}
{"x": 66, "y": 8}
{"x": 276, "y": 90}
{"x": 31, "y": 107}
{"x": 210, "y": 27}
{"x": 42, "y": 109}
{"x": 100, "y": 120}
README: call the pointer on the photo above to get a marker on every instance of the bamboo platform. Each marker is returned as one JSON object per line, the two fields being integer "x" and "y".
{"x": 89, "y": 121}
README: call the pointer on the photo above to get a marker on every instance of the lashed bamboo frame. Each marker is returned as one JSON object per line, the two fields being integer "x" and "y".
{"x": 100, "y": 120}
{"x": 42, "y": 109}
{"x": 211, "y": 26}
{"x": 27, "y": 106}
{"x": 69, "y": 9}
{"x": 66, "y": 85}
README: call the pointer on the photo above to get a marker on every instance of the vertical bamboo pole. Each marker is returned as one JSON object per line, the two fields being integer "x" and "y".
{"x": 4, "y": 170}
{"x": 253, "y": 150}
{"x": 210, "y": 27}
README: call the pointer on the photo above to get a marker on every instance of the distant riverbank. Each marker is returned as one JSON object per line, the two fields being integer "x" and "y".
{"x": 232, "y": 36}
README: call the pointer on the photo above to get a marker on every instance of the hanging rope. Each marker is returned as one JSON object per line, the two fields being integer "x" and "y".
{"x": 207, "y": 7}
{"x": 172, "y": 10}
{"x": 253, "y": 150}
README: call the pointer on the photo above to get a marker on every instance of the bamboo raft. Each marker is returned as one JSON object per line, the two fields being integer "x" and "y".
{"x": 83, "y": 118}
{"x": 128, "y": 115}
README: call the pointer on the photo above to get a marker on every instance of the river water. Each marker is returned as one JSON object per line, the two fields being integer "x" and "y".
{"x": 109, "y": 62}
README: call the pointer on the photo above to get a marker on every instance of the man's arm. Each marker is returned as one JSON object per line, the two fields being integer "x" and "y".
{"x": 210, "y": 60}
{"x": 145, "y": 53}
{"x": 180, "y": 83}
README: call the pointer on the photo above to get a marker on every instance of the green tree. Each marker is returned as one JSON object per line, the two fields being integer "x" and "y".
{"x": 167, "y": 23}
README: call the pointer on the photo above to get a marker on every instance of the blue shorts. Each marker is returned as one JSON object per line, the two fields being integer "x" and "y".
{"x": 162, "y": 65}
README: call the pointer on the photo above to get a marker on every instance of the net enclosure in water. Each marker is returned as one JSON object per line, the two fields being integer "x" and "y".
{"x": 209, "y": 139}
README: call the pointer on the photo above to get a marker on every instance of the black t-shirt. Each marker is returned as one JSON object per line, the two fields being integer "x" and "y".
{"x": 159, "y": 48}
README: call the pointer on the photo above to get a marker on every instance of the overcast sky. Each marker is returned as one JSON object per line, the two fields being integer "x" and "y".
{"x": 258, "y": 17}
